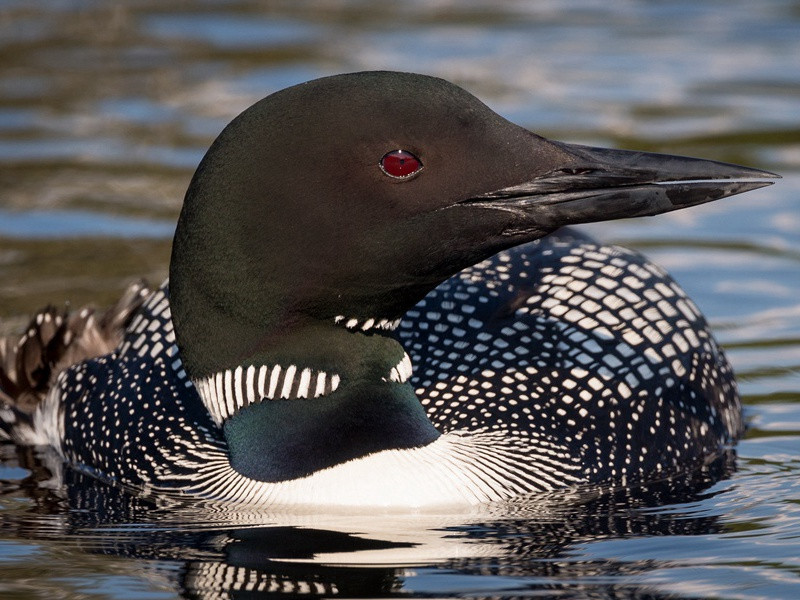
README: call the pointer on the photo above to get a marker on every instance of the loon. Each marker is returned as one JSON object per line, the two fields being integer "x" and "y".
{"x": 364, "y": 308}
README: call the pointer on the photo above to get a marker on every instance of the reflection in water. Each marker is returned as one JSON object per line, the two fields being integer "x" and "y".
{"x": 206, "y": 552}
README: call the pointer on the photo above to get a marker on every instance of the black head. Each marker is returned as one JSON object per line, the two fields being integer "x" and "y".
{"x": 292, "y": 218}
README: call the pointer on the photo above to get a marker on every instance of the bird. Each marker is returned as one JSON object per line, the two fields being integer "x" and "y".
{"x": 375, "y": 299}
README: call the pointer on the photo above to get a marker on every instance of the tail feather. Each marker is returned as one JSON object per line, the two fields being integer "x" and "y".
{"x": 53, "y": 341}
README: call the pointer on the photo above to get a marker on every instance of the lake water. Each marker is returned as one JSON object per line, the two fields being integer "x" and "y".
{"x": 105, "y": 110}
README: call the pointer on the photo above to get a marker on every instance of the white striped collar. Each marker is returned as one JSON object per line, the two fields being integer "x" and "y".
{"x": 355, "y": 324}
{"x": 227, "y": 392}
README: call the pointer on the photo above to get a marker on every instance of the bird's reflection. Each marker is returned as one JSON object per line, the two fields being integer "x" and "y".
{"x": 211, "y": 552}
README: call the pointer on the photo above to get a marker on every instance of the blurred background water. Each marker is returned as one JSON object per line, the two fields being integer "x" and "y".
{"x": 106, "y": 108}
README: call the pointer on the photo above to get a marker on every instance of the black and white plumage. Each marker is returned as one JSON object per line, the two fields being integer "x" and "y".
{"x": 265, "y": 374}
{"x": 554, "y": 376}
{"x": 590, "y": 346}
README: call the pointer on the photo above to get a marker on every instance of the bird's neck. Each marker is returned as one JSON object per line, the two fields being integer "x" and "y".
{"x": 288, "y": 439}
{"x": 299, "y": 396}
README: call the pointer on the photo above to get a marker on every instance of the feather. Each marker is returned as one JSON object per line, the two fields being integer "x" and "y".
{"x": 52, "y": 342}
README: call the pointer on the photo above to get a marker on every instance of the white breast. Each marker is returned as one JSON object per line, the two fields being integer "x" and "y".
{"x": 459, "y": 468}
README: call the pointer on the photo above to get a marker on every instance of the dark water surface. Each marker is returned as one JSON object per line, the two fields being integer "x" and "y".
{"x": 105, "y": 110}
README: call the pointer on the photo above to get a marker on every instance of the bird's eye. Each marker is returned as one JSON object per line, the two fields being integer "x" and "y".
{"x": 400, "y": 164}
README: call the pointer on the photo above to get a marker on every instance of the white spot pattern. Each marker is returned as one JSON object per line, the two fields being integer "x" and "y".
{"x": 556, "y": 363}
{"x": 579, "y": 345}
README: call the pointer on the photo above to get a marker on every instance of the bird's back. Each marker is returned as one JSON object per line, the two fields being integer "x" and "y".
{"x": 587, "y": 349}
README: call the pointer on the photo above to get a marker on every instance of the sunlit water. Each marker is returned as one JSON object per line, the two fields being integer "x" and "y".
{"x": 105, "y": 109}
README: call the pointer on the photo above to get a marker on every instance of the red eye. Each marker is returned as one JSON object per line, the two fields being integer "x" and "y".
{"x": 400, "y": 164}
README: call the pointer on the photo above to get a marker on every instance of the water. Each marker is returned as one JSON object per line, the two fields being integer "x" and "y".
{"x": 105, "y": 109}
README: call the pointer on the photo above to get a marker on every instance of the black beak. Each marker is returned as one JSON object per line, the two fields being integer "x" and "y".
{"x": 601, "y": 184}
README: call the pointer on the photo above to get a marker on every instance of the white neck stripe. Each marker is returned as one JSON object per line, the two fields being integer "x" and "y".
{"x": 354, "y": 324}
{"x": 402, "y": 371}
{"x": 227, "y": 392}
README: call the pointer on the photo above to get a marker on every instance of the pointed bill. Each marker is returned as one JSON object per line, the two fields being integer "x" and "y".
{"x": 602, "y": 184}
